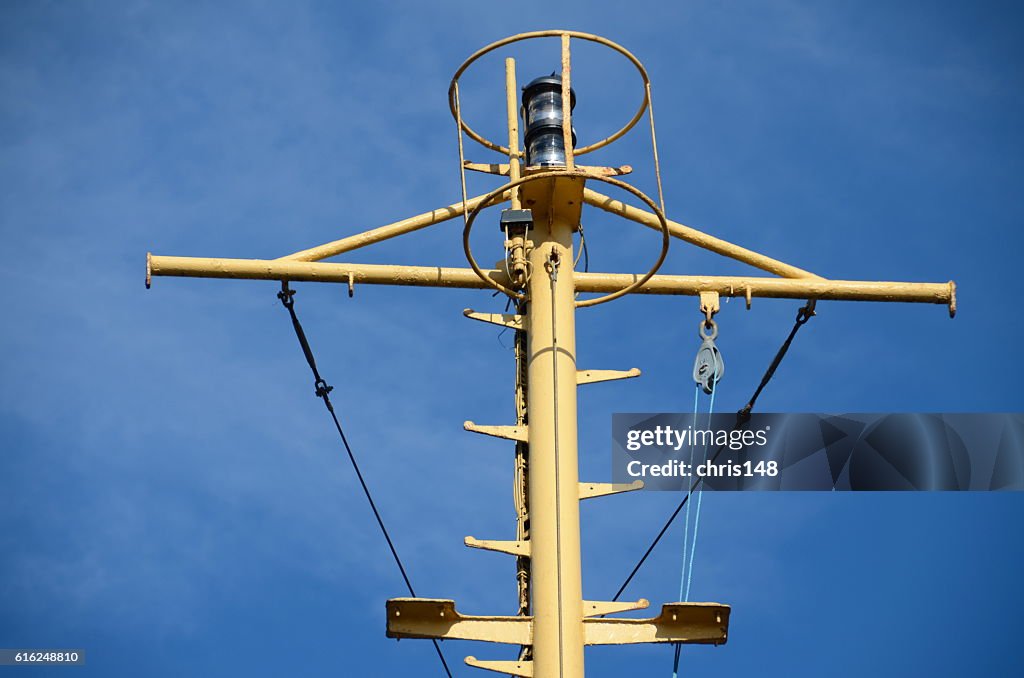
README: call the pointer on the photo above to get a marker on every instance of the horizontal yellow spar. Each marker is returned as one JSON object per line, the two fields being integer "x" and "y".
{"x": 777, "y": 288}
{"x": 436, "y": 276}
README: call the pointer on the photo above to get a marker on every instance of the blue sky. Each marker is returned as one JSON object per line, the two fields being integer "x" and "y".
{"x": 172, "y": 497}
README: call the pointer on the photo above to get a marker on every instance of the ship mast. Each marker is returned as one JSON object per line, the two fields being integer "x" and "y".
{"x": 546, "y": 188}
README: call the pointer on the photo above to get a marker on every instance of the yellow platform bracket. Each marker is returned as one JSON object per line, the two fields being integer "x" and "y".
{"x": 703, "y": 623}
{"x": 554, "y": 621}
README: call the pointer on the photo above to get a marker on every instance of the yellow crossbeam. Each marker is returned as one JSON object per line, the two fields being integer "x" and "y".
{"x": 435, "y": 276}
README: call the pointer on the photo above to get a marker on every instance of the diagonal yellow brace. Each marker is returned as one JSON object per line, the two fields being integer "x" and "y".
{"x": 695, "y": 237}
{"x": 437, "y": 618}
{"x": 394, "y": 230}
{"x": 513, "y": 668}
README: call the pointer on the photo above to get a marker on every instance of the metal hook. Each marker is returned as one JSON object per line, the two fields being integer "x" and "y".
{"x": 552, "y": 264}
{"x": 286, "y": 295}
{"x": 709, "y": 304}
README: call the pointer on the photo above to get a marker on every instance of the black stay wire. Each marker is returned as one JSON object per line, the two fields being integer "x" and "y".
{"x": 805, "y": 313}
{"x": 742, "y": 417}
{"x": 323, "y": 390}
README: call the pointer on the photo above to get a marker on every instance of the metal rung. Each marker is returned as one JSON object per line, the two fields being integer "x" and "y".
{"x": 591, "y": 490}
{"x": 514, "y": 548}
{"x": 594, "y": 376}
{"x": 518, "y": 433}
{"x": 506, "y": 667}
{"x": 512, "y": 320}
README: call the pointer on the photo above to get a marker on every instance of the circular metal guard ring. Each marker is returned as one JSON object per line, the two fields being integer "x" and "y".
{"x": 490, "y": 282}
{"x": 590, "y": 37}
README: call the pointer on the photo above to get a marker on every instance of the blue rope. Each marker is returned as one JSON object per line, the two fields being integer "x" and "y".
{"x": 686, "y": 521}
{"x": 686, "y": 572}
{"x": 700, "y": 495}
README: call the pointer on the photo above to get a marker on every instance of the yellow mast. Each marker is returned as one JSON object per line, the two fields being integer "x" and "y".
{"x": 553, "y": 623}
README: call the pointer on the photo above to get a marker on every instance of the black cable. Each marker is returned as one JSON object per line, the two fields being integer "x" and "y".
{"x": 739, "y": 422}
{"x": 805, "y": 313}
{"x": 322, "y": 390}
{"x": 742, "y": 417}
{"x": 584, "y": 252}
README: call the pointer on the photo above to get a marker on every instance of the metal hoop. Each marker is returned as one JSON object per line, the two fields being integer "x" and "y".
{"x": 665, "y": 236}
{"x": 590, "y": 37}
{"x": 706, "y": 324}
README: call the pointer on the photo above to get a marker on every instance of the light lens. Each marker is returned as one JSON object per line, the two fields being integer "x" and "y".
{"x": 543, "y": 115}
